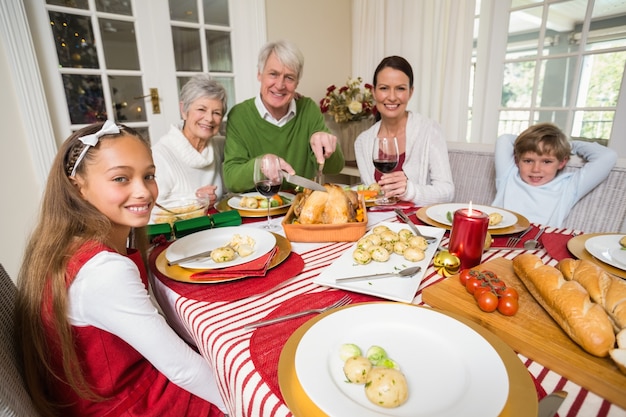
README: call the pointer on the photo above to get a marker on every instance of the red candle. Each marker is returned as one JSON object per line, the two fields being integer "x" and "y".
{"x": 467, "y": 238}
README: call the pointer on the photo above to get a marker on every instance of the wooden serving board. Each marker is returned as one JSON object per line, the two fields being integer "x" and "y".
{"x": 533, "y": 333}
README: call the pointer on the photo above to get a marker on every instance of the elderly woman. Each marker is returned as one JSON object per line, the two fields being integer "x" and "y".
{"x": 186, "y": 159}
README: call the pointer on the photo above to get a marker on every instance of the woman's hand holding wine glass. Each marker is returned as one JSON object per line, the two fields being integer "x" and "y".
{"x": 267, "y": 179}
{"x": 385, "y": 157}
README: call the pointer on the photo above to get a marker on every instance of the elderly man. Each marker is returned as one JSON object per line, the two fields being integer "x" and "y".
{"x": 278, "y": 122}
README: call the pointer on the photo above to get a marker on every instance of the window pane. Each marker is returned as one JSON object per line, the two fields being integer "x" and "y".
{"x": 85, "y": 100}
{"x": 128, "y": 102}
{"x": 181, "y": 81}
{"x": 144, "y": 132}
{"x": 229, "y": 86}
{"x": 601, "y": 79}
{"x": 554, "y": 87}
{"x": 119, "y": 44}
{"x": 524, "y": 26}
{"x": 607, "y": 31}
{"x": 183, "y": 10}
{"x": 559, "y": 117}
{"x": 218, "y": 44}
{"x": 187, "y": 49}
{"x": 513, "y": 122}
{"x": 564, "y": 19}
{"x": 115, "y": 6}
{"x": 518, "y": 84}
{"x": 74, "y": 41}
{"x": 77, "y": 4}
{"x": 518, "y": 3}
{"x": 593, "y": 124}
{"x": 216, "y": 12}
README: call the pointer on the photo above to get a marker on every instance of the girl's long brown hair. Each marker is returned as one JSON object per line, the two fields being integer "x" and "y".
{"x": 65, "y": 221}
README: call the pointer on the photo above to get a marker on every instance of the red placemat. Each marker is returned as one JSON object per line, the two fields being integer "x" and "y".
{"x": 267, "y": 342}
{"x": 231, "y": 290}
{"x": 500, "y": 241}
{"x": 255, "y": 268}
{"x": 556, "y": 245}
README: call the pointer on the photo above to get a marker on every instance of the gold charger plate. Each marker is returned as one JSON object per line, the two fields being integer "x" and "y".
{"x": 576, "y": 246}
{"x": 178, "y": 273}
{"x": 223, "y": 206}
{"x": 521, "y": 225}
{"x": 521, "y": 402}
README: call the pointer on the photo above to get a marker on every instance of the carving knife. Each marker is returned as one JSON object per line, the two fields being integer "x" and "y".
{"x": 303, "y": 182}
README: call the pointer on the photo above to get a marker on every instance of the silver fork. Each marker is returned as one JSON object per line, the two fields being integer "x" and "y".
{"x": 515, "y": 240}
{"x": 405, "y": 219}
{"x": 345, "y": 300}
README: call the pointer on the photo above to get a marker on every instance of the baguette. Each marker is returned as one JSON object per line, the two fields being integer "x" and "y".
{"x": 608, "y": 291}
{"x": 568, "y": 304}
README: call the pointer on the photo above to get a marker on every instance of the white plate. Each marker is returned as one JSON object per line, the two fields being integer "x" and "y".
{"x": 234, "y": 202}
{"x": 391, "y": 288}
{"x": 450, "y": 369}
{"x": 439, "y": 213}
{"x": 607, "y": 249}
{"x": 214, "y": 238}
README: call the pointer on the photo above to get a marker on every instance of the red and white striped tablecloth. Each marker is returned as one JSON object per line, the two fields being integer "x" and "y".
{"x": 217, "y": 328}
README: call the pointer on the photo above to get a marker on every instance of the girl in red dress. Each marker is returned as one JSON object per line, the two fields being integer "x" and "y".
{"x": 91, "y": 339}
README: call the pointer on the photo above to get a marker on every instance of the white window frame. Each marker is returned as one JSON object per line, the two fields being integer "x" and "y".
{"x": 42, "y": 126}
{"x": 492, "y": 42}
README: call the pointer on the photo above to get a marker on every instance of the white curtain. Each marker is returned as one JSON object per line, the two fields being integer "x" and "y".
{"x": 435, "y": 36}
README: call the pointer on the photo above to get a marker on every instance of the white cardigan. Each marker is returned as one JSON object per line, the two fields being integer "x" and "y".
{"x": 426, "y": 163}
{"x": 181, "y": 169}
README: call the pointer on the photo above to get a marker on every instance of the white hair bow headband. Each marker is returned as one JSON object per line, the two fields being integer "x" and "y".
{"x": 108, "y": 128}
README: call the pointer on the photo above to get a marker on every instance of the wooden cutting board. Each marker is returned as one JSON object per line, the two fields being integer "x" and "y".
{"x": 533, "y": 333}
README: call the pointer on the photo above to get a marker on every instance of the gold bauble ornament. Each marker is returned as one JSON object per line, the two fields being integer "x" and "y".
{"x": 488, "y": 241}
{"x": 446, "y": 264}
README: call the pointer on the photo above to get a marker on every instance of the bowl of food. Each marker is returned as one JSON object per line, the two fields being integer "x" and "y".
{"x": 180, "y": 207}
{"x": 338, "y": 215}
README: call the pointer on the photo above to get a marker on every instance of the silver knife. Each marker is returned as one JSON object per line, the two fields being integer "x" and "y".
{"x": 303, "y": 182}
{"x": 549, "y": 405}
{"x": 190, "y": 258}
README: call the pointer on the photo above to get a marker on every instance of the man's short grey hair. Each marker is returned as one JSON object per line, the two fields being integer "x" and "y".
{"x": 199, "y": 86}
{"x": 286, "y": 52}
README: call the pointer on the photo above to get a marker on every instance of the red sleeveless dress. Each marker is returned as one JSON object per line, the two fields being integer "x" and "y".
{"x": 131, "y": 386}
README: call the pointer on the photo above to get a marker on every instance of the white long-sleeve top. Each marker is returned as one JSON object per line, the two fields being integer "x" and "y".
{"x": 549, "y": 204}
{"x": 108, "y": 294}
{"x": 426, "y": 163}
{"x": 181, "y": 169}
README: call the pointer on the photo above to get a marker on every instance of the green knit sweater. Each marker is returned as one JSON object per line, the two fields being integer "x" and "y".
{"x": 248, "y": 135}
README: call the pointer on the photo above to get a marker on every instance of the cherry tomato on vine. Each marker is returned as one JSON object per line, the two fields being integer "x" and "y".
{"x": 464, "y": 275}
{"x": 497, "y": 285}
{"x": 488, "y": 301}
{"x": 508, "y": 306}
{"x": 489, "y": 274}
{"x": 509, "y": 292}
{"x": 471, "y": 284}
{"x": 480, "y": 290}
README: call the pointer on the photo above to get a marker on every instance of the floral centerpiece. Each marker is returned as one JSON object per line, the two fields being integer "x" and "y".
{"x": 350, "y": 102}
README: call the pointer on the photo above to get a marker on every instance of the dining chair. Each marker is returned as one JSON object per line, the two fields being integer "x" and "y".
{"x": 14, "y": 399}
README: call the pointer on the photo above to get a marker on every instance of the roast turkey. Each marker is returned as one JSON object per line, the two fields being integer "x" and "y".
{"x": 336, "y": 206}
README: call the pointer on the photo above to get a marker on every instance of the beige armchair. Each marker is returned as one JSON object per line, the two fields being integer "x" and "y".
{"x": 14, "y": 399}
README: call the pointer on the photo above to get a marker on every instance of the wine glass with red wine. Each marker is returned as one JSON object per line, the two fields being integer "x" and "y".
{"x": 385, "y": 157}
{"x": 267, "y": 180}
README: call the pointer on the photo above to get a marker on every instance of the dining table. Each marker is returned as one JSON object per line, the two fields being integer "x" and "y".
{"x": 213, "y": 317}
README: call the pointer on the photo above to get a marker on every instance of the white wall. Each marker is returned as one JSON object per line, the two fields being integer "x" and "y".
{"x": 322, "y": 29}
{"x": 18, "y": 186}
